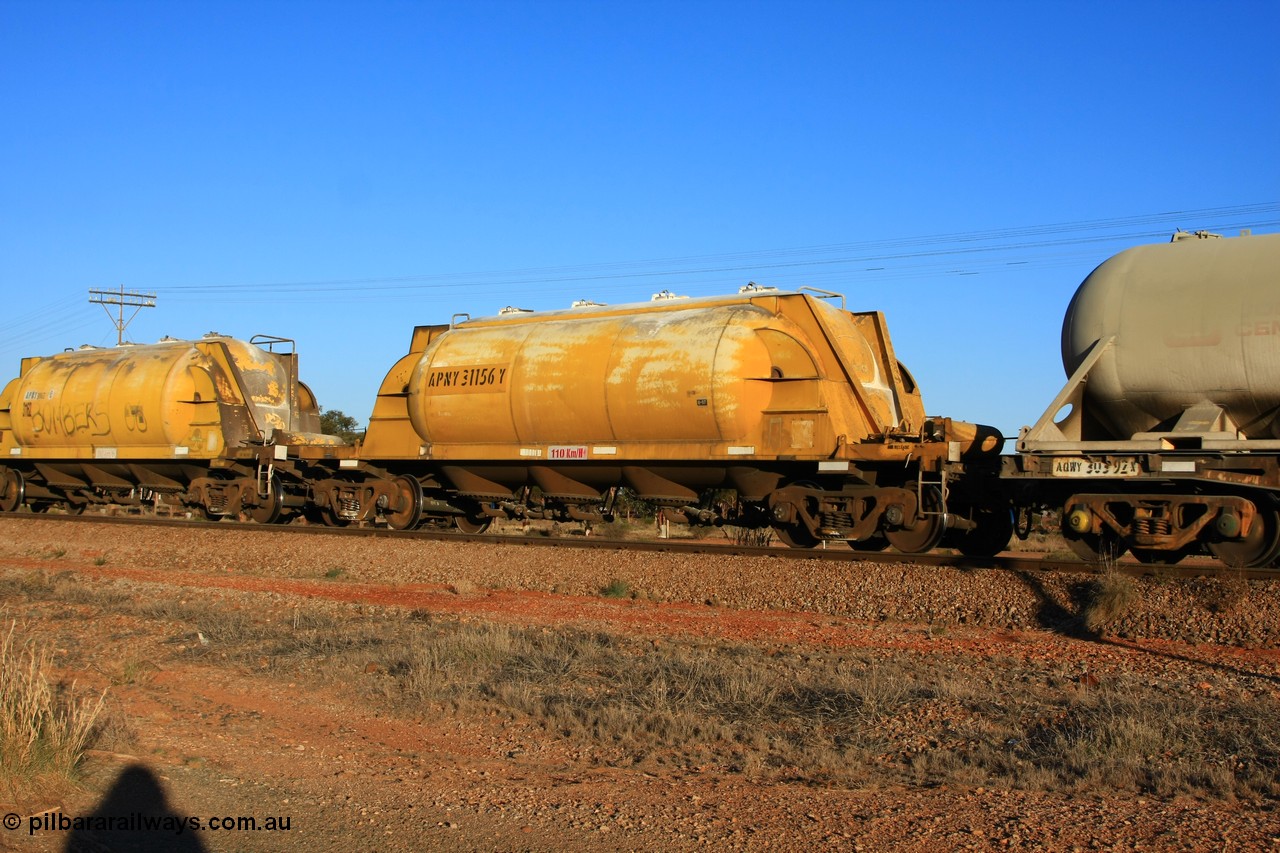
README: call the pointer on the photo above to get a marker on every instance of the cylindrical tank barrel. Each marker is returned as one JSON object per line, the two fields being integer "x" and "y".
{"x": 122, "y": 397}
{"x": 1195, "y": 321}
{"x": 150, "y": 395}
{"x": 706, "y": 373}
{"x": 659, "y": 376}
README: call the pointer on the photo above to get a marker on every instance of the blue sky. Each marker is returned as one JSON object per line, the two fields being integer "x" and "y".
{"x": 339, "y": 172}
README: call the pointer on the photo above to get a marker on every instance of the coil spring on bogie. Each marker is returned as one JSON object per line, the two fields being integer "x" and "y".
{"x": 1152, "y": 526}
{"x": 348, "y": 507}
{"x": 837, "y": 520}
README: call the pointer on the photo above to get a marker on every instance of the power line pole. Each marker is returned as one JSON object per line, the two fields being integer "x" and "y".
{"x": 136, "y": 301}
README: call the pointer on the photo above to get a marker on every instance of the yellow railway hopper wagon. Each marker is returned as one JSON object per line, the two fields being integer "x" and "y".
{"x": 218, "y": 423}
{"x": 797, "y": 405}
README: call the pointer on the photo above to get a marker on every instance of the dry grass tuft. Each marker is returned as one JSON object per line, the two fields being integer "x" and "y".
{"x": 1111, "y": 595}
{"x": 848, "y": 717}
{"x": 43, "y": 730}
{"x": 616, "y": 588}
{"x": 462, "y": 586}
{"x": 761, "y": 537}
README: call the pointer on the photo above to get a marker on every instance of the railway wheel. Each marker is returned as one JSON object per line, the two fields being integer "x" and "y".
{"x": 269, "y": 508}
{"x": 1094, "y": 547}
{"x": 13, "y": 490}
{"x": 472, "y": 524}
{"x": 409, "y": 515}
{"x": 796, "y": 536}
{"x": 1077, "y": 525}
{"x": 927, "y": 532}
{"x": 787, "y": 518}
{"x": 1259, "y": 548}
{"x": 990, "y": 537}
{"x": 472, "y": 520}
{"x": 324, "y": 516}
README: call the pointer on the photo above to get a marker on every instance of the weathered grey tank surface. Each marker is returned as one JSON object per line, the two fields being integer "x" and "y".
{"x": 1182, "y": 331}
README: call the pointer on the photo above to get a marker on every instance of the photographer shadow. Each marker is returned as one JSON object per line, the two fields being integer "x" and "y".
{"x": 134, "y": 817}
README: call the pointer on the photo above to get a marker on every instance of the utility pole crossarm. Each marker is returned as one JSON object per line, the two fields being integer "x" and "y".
{"x": 123, "y": 299}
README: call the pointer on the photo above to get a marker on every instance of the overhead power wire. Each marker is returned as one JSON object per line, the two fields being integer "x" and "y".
{"x": 955, "y": 244}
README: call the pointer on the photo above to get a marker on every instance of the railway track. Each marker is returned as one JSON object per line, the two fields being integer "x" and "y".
{"x": 1010, "y": 562}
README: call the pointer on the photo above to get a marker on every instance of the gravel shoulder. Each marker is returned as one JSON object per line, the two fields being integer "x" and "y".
{"x": 237, "y": 739}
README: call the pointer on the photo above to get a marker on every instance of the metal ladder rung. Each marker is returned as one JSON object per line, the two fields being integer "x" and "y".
{"x": 943, "y": 489}
{"x": 265, "y": 474}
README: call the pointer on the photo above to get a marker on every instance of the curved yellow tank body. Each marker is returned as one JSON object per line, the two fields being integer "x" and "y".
{"x": 690, "y": 373}
{"x": 754, "y": 375}
{"x": 184, "y": 398}
{"x": 654, "y": 377}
